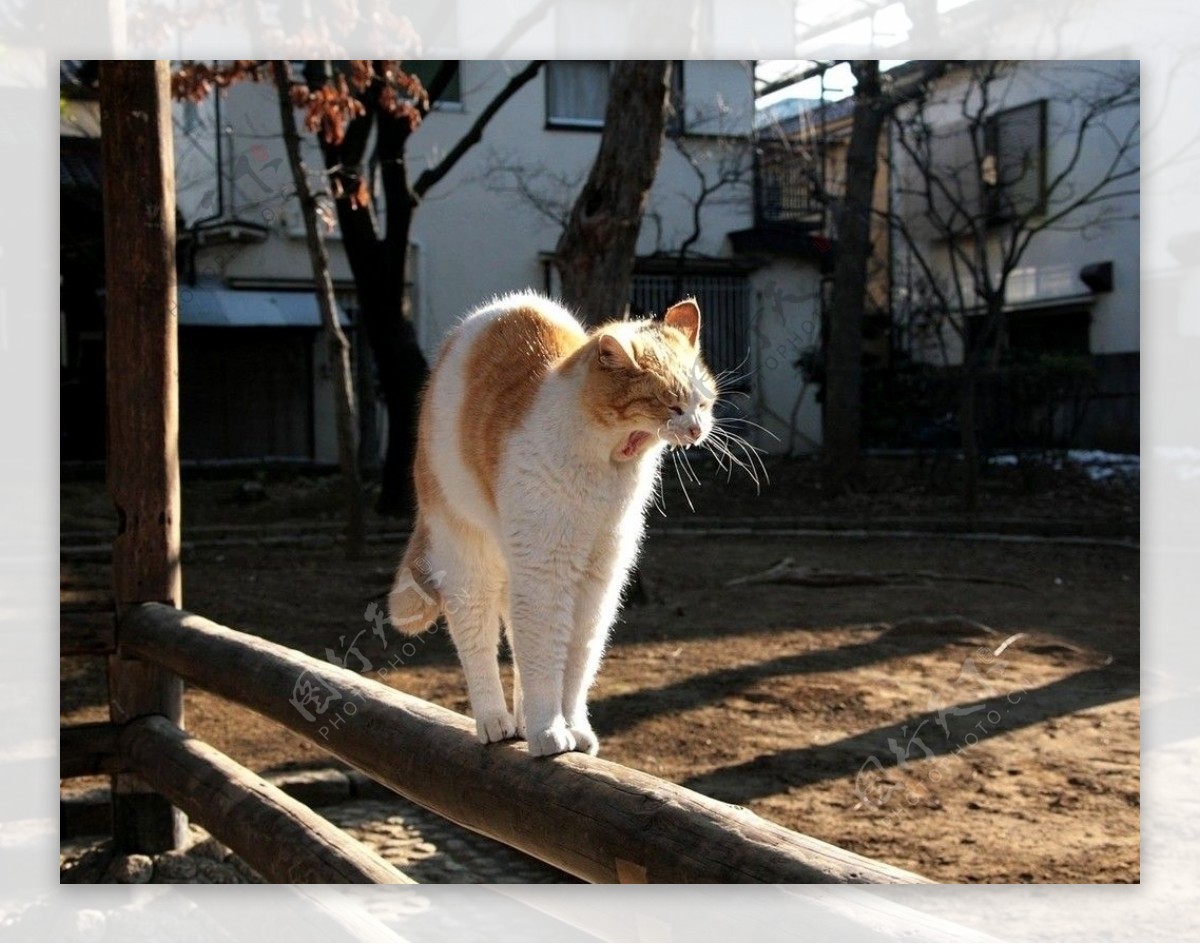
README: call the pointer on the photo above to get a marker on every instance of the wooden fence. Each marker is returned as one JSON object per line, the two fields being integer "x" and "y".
{"x": 592, "y": 818}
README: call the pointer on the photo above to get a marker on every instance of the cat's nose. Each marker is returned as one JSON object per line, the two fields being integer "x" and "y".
{"x": 693, "y": 432}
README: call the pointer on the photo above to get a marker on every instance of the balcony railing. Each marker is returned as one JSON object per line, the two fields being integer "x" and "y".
{"x": 787, "y": 188}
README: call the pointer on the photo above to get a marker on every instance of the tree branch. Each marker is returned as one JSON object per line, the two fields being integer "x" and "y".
{"x": 434, "y": 174}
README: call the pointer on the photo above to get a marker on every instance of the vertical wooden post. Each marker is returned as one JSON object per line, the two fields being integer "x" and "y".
{"x": 143, "y": 408}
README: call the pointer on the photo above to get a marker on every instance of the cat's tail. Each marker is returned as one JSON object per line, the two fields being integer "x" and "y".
{"x": 415, "y": 602}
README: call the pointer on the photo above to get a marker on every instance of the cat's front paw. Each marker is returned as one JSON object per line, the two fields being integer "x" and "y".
{"x": 555, "y": 739}
{"x": 495, "y": 726}
{"x": 586, "y": 741}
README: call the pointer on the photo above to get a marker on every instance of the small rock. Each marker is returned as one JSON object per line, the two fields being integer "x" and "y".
{"x": 176, "y": 866}
{"x": 131, "y": 870}
{"x": 209, "y": 848}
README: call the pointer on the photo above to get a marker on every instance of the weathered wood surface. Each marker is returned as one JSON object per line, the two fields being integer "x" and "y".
{"x": 595, "y": 819}
{"x": 87, "y": 634}
{"x": 87, "y": 749}
{"x": 143, "y": 405}
{"x": 280, "y": 837}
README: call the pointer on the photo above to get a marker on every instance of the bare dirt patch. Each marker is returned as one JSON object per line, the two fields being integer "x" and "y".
{"x": 858, "y": 715}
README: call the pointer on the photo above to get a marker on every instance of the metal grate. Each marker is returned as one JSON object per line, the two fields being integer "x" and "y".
{"x": 724, "y": 306}
{"x": 786, "y": 188}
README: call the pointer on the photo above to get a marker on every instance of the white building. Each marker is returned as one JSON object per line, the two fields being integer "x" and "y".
{"x": 490, "y": 227}
{"x": 1075, "y": 289}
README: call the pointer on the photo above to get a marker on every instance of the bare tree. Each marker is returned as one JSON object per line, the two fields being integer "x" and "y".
{"x": 378, "y": 255}
{"x": 349, "y": 107}
{"x": 843, "y": 355}
{"x": 595, "y": 253}
{"x": 339, "y": 347}
{"x": 971, "y": 201}
{"x": 723, "y": 169}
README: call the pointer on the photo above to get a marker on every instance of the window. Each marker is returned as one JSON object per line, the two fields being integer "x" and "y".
{"x": 1049, "y": 331}
{"x": 675, "y": 117}
{"x": 1014, "y": 163}
{"x": 724, "y": 302}
{"x": 1059, "y": 330}
{"x": 576, "y": 93}
{"x": 426, "y": 69}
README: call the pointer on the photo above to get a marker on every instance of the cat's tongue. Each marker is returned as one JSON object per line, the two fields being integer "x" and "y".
{"x": 634, "y": 443}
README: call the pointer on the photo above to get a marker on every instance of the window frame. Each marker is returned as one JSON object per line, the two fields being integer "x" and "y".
{"x": 999, "y": 202}
{"x": 676, "y": 123}
{"x": 561, "y": 123}
{"x": 443, "y": 103}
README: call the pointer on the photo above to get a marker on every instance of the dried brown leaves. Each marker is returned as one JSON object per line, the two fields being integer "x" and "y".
{"x": 328, "y": 109}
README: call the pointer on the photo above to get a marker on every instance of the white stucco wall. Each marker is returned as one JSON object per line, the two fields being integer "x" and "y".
{"x": 1103, "y": 231}
{"x": 473, "y": 238}
{"x": 786, "y": 322}
{"x": 477, "y": 238}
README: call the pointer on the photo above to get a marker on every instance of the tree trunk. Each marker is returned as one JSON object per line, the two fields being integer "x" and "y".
{"x": 339, "y": 347}
{"x": 378, "y": 266}
{"x": 369, "y": 452}
{"x": 843, "y": 347}
{"x": 968, "y": 424}
{"x": 597, "y": 249}
{"x": 982, "y": 349}
{"x": 379, "y": 263}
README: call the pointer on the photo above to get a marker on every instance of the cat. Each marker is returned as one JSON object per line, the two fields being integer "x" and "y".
{"x": 538, "y": 451}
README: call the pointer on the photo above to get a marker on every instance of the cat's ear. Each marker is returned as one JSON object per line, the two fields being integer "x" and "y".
{"x": 684, "y": 316}
{"x": 615, "y": 353}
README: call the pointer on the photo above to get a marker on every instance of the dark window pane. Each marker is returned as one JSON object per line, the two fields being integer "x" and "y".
{"x": 426, "y": 69}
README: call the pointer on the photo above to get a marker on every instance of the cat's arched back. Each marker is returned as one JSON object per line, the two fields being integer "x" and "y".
{"x": 537, "y": 451}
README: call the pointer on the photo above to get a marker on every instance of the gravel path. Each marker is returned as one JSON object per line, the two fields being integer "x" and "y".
{"x": 420, "y": 844}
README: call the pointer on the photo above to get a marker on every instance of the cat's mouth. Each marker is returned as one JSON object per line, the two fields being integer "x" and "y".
{"x": 634, "y": 443}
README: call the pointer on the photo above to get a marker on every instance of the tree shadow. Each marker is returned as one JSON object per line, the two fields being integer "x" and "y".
{"x": 620, "y": 712}
{"x": 937, "y": 733}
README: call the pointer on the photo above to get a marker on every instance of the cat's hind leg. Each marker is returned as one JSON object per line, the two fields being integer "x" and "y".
{"x": 472, "y": 582}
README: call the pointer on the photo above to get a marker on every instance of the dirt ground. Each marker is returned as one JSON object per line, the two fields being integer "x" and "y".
{"x": 976, "y": 720}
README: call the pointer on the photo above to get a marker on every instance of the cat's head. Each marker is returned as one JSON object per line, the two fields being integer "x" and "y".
{"x": 647, "y": 384}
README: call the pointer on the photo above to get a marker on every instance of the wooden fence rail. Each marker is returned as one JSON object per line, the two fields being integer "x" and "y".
{"x": 279, "y": 836}
{"x": 592, "y": 818}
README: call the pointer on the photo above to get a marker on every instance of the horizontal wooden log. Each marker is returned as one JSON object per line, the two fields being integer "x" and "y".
{"x": 88, "y": 749}
{"x": 595, "y": 819}
{"x": 87, "y": 634}
{"x": 280, "y": 837}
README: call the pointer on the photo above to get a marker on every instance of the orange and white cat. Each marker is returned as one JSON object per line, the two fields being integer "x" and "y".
{"x": 538, "y": 449}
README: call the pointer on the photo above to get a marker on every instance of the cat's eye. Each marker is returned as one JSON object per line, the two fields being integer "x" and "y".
{"x": 677, "y": 411}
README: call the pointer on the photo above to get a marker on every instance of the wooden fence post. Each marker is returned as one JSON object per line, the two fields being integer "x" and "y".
{"x": 143, "y": 409}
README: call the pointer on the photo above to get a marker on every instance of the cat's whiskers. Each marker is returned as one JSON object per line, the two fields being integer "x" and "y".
{"x": 753, "y": 453}
{"x": 732, "y": 372}
{"x": 726, "y": 440}
{"x": 719, "y": 452}
{"x": 742, "y": 419}
{"x": 687, "y": 462}
{"x": 658, "y": 495}
{"x": 678, "y": 475}
{"x": 749, "y": 469}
